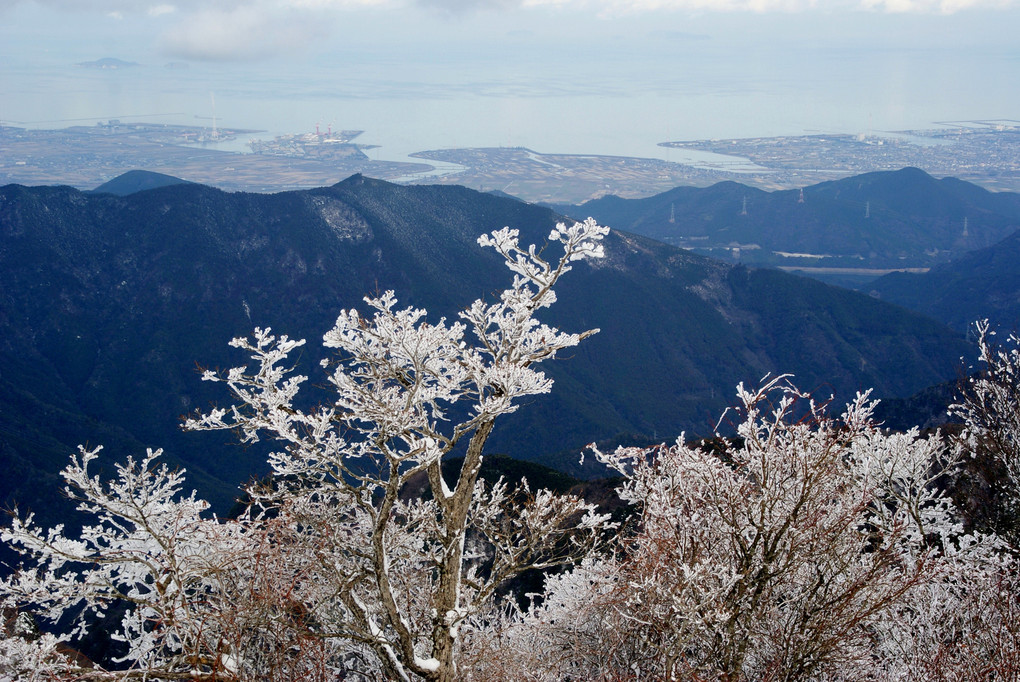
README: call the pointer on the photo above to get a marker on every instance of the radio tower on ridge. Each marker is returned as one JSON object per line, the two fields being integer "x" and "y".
{"x": 212, "y": 98}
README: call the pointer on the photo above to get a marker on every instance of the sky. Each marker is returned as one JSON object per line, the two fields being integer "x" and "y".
{"x": 581, "y": 76}
{"x": 225, "y": 30}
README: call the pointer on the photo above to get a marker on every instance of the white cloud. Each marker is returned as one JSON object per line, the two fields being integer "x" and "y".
{"x": 160, "y": 10}
{"x": 935, "y": 6}
{"x": 621, "y": 7}
{"x": 337, "y": 4}
{"x": 124, "y": 7}
{"x": 247, "y": 32}
{"x": 756, "y": 6}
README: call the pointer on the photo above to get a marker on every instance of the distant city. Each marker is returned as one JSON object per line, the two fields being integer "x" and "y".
{"x": 985, "y": 152}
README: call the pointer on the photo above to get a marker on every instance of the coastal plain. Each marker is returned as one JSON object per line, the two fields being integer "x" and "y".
{"x": 985, "y": 152}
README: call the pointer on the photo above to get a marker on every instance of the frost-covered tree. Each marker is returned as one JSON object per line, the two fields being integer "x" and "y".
{"x": 150, "y": 548}
{"x": 807, "y": 547}
{"x": 334, "y": 570}
{"x": 990, "y": 407}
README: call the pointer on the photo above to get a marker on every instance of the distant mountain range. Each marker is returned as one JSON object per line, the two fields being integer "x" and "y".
{"x": 907, "y": 219}
{"x": 876, "y": 221}
{"x": 109, "y": 305}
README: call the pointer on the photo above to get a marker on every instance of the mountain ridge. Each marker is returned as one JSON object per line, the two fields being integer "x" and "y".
{"x": 110, "y": 301}
{"x": 881, "y": 220}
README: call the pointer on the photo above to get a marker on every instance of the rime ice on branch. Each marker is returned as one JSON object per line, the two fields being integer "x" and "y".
{"x": 333, "y": 571}
{"x": 810, "y": 547}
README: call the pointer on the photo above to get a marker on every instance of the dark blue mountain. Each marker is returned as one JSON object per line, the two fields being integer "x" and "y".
{"x": 882, "y": 220}
{"x": 137, "y": 181}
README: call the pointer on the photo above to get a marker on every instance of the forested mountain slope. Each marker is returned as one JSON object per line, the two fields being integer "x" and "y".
{"x": 981, "y": 284}
{"x": 109, "y": 305}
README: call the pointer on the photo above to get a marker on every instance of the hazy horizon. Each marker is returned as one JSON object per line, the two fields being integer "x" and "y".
{"x": 568, "y": 77}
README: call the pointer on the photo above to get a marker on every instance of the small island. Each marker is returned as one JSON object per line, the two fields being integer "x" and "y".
{"x": 107, "y": 63}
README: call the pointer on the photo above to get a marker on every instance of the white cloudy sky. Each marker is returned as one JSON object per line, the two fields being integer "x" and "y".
{"x": 253, "y": 29}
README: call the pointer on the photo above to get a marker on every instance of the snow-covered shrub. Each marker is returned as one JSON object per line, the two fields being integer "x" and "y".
{"x": 809, "y": 547}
